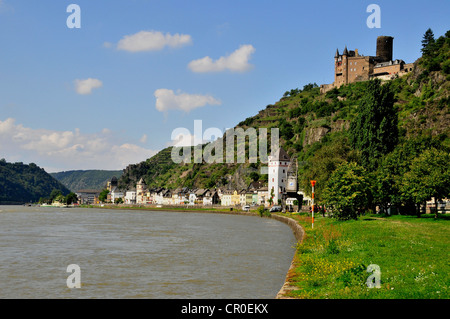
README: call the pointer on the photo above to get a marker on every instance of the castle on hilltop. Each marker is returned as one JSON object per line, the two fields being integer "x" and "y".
{"x": 350, "y": 66}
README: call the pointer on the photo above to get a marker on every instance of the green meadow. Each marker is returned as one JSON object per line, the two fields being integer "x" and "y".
{"x": 412, "y": 254}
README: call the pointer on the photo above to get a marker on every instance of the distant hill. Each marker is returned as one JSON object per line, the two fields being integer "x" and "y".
{"x": 21, "y": 183}
{"x": 89, "y": 179}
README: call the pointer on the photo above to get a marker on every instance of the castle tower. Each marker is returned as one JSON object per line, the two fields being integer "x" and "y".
{"x": 140, "y": 186}
{"x": 141, "y": 189}
{"x": 345, "y": 65}
{"x": 385, "y": 48}
{"x": 278, "y": 167}
{"x": 112, "y": 184}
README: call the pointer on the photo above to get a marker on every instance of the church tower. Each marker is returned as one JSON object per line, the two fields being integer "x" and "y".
{"x": 141, "y": 189}
{"x": 278, "y": 167}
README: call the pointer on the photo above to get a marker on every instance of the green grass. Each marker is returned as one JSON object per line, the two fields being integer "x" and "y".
{"x": 412, "y": 254}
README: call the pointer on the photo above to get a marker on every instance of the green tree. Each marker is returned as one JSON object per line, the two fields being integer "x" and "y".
{"x": 374, "y": 132}
{"x": 54, "y": 194}
{"x": 103, "y": 195}
{"x": 272, "y": 195}
{"x": 347, "y": 191}
{"x": 429, "y": 176}
{"x": 254, "y": 176}
{"x": 320, "y": 166}
{"x": 428, "y": 42}
{"x": 71, "y": 198}
{"x": 60, "y": 199}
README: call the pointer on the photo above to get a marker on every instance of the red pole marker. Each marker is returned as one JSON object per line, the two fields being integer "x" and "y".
{"x": 313, "y": 183}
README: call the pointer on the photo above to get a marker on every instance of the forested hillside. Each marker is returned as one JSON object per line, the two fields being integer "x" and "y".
{"x": 88, "y": 179}
{"x": 326, "y": 131}
{"x": 21, "y": 183}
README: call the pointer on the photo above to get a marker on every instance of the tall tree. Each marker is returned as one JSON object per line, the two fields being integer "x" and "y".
{"x": 429, "y": 176}
{"x": 374, "y": 132}
{"x": 347, "y": 191}
{"x": 428, "y": 42}
{"x": 71, "y": 198}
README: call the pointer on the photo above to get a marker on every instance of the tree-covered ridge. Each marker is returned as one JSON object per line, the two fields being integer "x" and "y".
{"x": 380, "y": 127}
{"x": 21, "y": 183}
{"x": 85, "y": 179}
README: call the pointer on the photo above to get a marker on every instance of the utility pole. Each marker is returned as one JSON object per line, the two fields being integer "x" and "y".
{"x": 313, "y": 184}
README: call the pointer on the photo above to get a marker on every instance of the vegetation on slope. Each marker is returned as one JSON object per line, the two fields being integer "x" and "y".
{"x": 21, "y": 183}
{"x": 316, "y": 129}
{"x": 89, "y": 179}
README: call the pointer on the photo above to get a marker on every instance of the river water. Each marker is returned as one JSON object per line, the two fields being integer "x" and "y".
{"x": 141, "y": 254}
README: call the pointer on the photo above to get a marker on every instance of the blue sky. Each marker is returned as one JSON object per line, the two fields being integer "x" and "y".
{"x": 110, "y": 93}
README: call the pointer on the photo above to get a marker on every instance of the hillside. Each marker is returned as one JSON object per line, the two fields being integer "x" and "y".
{"x": 88, "y": 179}
{"x": 21, "y": 183}
{"x": 314, "y": 128}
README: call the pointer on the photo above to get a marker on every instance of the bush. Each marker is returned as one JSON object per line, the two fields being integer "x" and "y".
{"x": 260, "y": 211}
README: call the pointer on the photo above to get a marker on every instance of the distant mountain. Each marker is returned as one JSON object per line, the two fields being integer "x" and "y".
{"x": 21, "y": 183}
{"x": 89, "y": 179}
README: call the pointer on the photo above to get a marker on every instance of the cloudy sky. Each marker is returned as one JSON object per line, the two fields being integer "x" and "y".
{"x": 111, "y": 92}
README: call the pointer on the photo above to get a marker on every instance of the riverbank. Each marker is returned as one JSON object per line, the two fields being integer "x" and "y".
{"x": 296, "y": 228}
{"x": 333, "y": 260}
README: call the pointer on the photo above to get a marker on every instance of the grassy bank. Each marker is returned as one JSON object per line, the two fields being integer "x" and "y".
{"x": 412, "y": 254}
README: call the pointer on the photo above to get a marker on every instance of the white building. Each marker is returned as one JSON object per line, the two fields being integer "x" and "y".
{"x": 278, "y": 167}
{"x": 192, "y": 199}
{"x": 226, "y": 198}
{"x": 115, "y": 194}
{"x": 130, "y": 197}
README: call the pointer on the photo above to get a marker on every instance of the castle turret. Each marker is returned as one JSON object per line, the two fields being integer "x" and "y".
{"x": 384, "y": 48}
{"x": 345, "y": 65}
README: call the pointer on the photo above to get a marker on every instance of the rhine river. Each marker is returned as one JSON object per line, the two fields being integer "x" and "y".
{"x": 141, "y": 254}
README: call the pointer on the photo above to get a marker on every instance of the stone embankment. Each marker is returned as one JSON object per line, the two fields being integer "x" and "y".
{"x": 299, "y": 234}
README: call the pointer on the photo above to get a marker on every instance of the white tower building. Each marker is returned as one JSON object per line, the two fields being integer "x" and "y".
{"x": 278, "y": 167}
{"x": 141, "y": 189}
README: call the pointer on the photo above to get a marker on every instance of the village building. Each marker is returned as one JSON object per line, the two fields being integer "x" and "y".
{"x": 226, "y": 197}
{"x": 141, "y": 192}
{"x": 88, "y": 196}
{"x": 167, "y": 197}
{"x": 130, "y": 197}
{"x": 116, "y": 194}
{"x": 235, "y": 198}
{"x": 211, "y": 198}
{"x": 278, "y": 167}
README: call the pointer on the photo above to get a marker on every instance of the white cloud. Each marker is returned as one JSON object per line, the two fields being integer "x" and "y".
{"x": 235, "y": 62}
{"x": 143, "y": 139}
{"x": 152, "y": 41}
{"x": 67, "y": 150}
{"x": 167, "y": 100}
{"x": 86, "y": 86}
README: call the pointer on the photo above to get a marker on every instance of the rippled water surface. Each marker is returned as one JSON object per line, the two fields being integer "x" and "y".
{"x": 141, "y": 254}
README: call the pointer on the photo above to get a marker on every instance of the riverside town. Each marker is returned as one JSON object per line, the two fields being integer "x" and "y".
{"x": 223, "y": 160}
